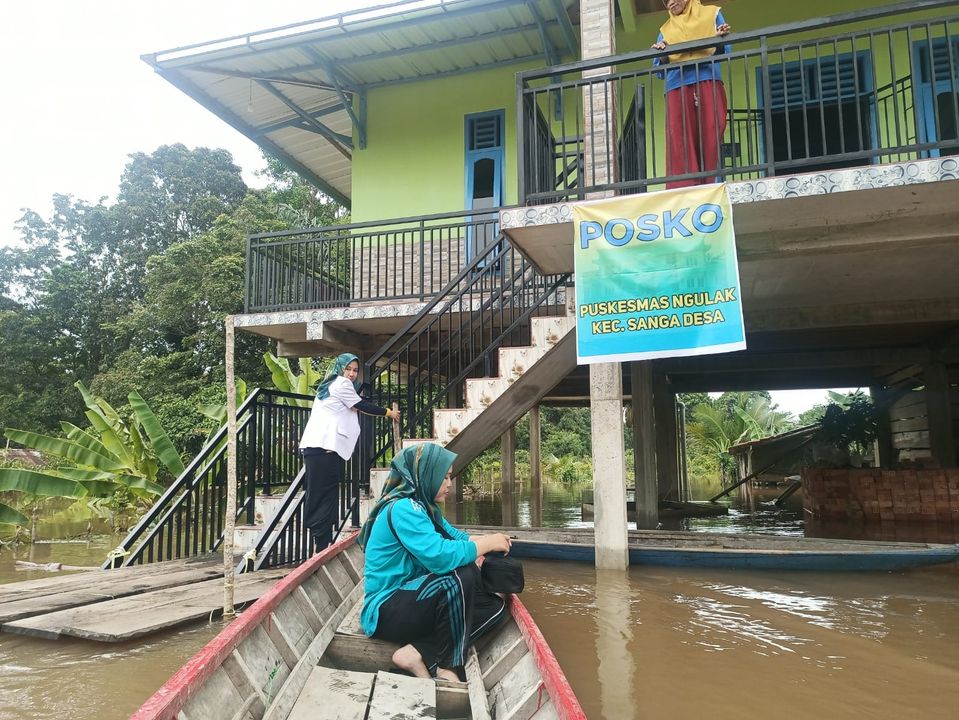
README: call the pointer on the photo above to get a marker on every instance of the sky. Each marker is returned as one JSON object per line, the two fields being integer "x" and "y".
{"x": 78, "y": 99}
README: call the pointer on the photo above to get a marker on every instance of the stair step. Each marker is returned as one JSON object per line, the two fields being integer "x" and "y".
{"x": 265, "y": 507}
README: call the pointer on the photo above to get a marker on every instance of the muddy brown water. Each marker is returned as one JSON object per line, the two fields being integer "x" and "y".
{"x": 653, "y": 643}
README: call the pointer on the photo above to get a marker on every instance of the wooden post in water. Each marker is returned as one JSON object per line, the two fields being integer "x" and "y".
{"x": 644, "y": 445}
{"x": 229, "y": 521}
{"x": 397, "y": 433}
{"x": 507, "y": 446}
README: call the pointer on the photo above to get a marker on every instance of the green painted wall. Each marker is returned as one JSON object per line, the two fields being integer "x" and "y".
{"x": 414, "y": 160}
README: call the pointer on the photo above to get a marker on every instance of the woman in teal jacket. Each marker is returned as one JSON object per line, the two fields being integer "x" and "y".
{"x": 421, "y": 582}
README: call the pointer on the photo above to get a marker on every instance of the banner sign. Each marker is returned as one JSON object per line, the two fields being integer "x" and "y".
{"x": 657, "y": 276}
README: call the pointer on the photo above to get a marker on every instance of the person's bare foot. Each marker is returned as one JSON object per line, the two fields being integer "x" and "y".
{"x": 444, "y": 674}
{"x": 408, "y": 658}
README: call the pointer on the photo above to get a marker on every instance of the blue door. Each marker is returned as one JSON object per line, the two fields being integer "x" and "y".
{"x": 937, "y": 93}
{"x": 484, "y": 177}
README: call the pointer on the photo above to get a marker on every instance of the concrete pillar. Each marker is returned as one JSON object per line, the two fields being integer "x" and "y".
{"x": 644, "y": 445}
{"x": 609, "y": 465}
{"x": 507, "y": 447}
{"x": 664, "y": 403}
{"x": 598, "y": 39}
{"x": 942, "y": 440}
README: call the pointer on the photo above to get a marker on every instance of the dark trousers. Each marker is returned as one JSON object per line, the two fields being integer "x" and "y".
{"x": 441, "y": 618}
{"x": 324, "y": 473}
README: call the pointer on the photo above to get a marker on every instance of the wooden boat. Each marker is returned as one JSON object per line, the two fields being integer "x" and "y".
{"x": 298, "y": 653}
{"x": 718, "y": 550}
{"x": 667, "y": 509}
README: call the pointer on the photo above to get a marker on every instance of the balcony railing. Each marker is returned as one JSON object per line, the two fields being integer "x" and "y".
{"x": 873, "y": 86}
{"x": 408, "y": 259}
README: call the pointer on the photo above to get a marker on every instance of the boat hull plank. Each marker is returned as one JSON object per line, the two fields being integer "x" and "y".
{"x": 359, "y": 653}
{"x": 399, "y": 697}
{"x": 331, "y": 694}
{"x": 291, "y": 689}
{"x": 138, "y": 615}
{"x": 479, "y": 702}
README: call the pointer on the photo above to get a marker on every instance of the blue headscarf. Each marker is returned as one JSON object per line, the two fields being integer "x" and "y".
{"x": 339, "y": 366}
{"x": 417, "y": 473}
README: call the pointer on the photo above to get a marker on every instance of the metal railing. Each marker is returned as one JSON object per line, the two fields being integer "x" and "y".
{"x": 815, "y": 95}
{"x": 188, "y": 519}
{"x": 285, "y": 539}
{"x": 455, "y": 337}
{"x": 403, "y": 259}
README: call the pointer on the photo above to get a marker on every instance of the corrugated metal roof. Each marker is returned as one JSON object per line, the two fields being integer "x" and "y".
{"x": 285, "y": 87}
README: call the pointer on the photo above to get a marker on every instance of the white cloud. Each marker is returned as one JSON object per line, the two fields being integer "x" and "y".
{"x": 79, "y": 100}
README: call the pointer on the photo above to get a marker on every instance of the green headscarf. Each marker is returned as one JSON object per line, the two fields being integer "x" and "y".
{"x": 323, "y": 389}
{"x": 416, "y": 473}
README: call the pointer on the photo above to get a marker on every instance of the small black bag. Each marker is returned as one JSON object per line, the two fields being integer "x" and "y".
{"x": 502, "y": 574}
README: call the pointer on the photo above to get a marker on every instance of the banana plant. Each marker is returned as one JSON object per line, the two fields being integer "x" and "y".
{"x": 302, "y": 383}
{"x": 113, "y": 453}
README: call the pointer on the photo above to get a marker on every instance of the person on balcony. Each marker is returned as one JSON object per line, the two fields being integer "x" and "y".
{"x": 696, "y": 105}
{"x": 422, "y": 585}
{"x": 329, "y": 440}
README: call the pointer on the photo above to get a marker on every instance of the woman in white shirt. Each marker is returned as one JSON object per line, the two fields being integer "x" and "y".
{"x": 329, "y": 440}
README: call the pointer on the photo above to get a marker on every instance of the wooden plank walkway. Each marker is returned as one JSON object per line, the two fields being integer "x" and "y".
{"x": 133, "y": 616}
{"x": 126, "y": 603}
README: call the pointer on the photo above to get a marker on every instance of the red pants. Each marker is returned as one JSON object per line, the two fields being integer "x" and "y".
{"x": 695, "y": 125}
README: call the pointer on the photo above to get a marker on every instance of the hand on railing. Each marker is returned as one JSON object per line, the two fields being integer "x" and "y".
{"x": 723, "y": 30}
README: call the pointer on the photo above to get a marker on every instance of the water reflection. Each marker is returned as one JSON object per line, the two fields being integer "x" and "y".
{"x": 739, "y": 644}
{"x": 614, "y": 637}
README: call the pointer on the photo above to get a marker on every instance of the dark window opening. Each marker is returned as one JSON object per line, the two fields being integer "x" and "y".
{"x": 947, "y": 103}
{"x": 484, "y": 173}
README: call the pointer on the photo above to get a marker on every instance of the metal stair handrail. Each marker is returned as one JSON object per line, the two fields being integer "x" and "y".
{"x": 482, "y": 290}
{"x": 189, "y": 514}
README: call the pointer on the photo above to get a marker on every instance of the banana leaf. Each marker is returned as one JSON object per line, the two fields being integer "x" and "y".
{"x": 162, "y": 445}
{"x": 99, "y": 488}
{"x": 82, "y": 437}
{"x": 98, "y": 405}
{"x": 111, "y": 438}
{"x": 86, "y": 477}
{"x": 283, "y": 378}
{"x": 217, "y": 411}
{"x": 38, "y": 483}
{"x": 65, "y": 449}
{"x": 9, "y": 516}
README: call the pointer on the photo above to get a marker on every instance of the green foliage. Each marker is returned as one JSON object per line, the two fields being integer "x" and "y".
{"x": 850, "y": 422}
{"x": 304, "y": 382}
{"x": 717, "y": 424}
{"x": 113, "y": 454}
{"x": 569, "y": 469}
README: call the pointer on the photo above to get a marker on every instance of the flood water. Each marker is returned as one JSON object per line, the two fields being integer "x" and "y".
{"x": 653, "y": 643}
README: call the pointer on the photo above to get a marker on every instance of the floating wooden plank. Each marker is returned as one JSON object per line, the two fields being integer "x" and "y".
{"x": 132, "y": 617}
{"x": 40, "y": 587}
{"x": 108, "y": 587}
{"x": 332, "y": 694}
{"x": 399, "y": 697}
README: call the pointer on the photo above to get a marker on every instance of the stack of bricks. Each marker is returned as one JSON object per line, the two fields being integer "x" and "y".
{"x": 876, "y": 495}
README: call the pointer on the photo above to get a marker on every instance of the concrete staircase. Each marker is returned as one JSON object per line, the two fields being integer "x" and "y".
{"x": 493, "y": 404}
{"x": 245, "y": 537}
